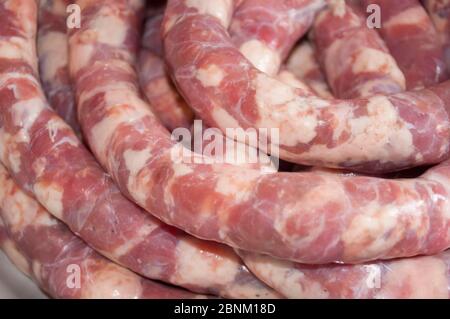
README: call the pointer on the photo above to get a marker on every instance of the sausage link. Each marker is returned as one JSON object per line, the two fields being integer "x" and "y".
{"x": 266, "y": 30}
{"x": 439, "y": 11}
{"x": 303, "y": 63}
{"x": 156, "y": 85}
{"x": 52, "y": 51}
{"x": 11, "y": 252}
{"x": 413, "y": 41}
{"x": 376, "y": 134}
{"x": 48, "y": 161}
{"x": 47, "y": 251}
{"x": 166, "y": 103}
{"x": 151, "y": 38}
{"x": 354, "y": 57}
{"x": 309, "y": 217}
{"x": 412, "y": 278}
{"x": 159, "y": 91}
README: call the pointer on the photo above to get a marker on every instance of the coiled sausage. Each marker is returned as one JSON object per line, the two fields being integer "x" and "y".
{"x": 355, "y": 218}
{"x": 48, "y": 161}
{"x": 376, "y": 134}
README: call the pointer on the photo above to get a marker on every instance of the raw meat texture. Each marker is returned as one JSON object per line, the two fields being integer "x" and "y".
{"x": 52, "y": 49}
{"x": 155, "y": 82}
{"x": 304, "y": 217}
{"x": 376, "y": 134}
{"x": 411, "y": 278}
{"x": 439, "y": 12}
{"x": 164, "y": 100}
{"x": 354, "y": 57}
{"x": 303, "y": 63}
{"x": 266, "y": 30}
{"x": 63, "y": 265}
{"x": 413, "y": 41}
{"x": 48, "y": 161}
{"x": 170, "y": 108}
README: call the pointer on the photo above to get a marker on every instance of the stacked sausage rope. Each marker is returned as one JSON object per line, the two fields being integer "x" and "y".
{"x": 164, "y": 100}
{"x": 391, "y": 279}
{"x": 43, "y": 248}
{"x": 265, "y": 31}
{"x": 356, "y": 60}
{"x": 283, "y": 208}
{"x": 300, "y": 281}
{"x": 400, "y": 278}
{"x": 303, "y": 64}
{"x": 38, "y": 148}
{"x": 411, "y": 38}
{"x": 279, "y": 222}
{"x": 308, "y": 135}
{"x": 439, "y": 11}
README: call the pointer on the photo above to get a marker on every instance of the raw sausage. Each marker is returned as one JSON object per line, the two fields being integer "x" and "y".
{"x": 266, "y": 30}
{"x": 377, "y": 134}
{"x": 412, "y": 278}
{"x": 48, "y": 161}
{"x": 308, "y": 217}
{"x": 53, "y": 59}
{"x": 413, "y": 41}
{"x": 439, "y": 11}
{"x": 46, "y": 250}
{"x": 303, "y": 63}
{"x": 170, "y": 108}
{"x": 163, "y": 98}
{"x": 391, "y": 279}
{"x": 355, "y": 59}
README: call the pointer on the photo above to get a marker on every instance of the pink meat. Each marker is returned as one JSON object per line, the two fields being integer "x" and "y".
{"x": 266, "y": 31}
{"x": 413, "y": 41}
{"x": 402, "y": 278}
{"x": 439, "y": 11}
{"x": 151, "y": 39}
{"x": 48, "y": 161}
{"x": 48, "y": 252}
{"x": 305, "y": 217}
{"x": 271, "y": 28}
{"x": 53, "y": 59}
{"x": 413, "y": 278}
{"x": 169, "y": 106}
{"x": 354, "y": 57}
{"x": 157, "y": 87}
{"x": 155, "y": 82}
{"x": 303, "y": 63}
{"x": 381, "y": 133}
